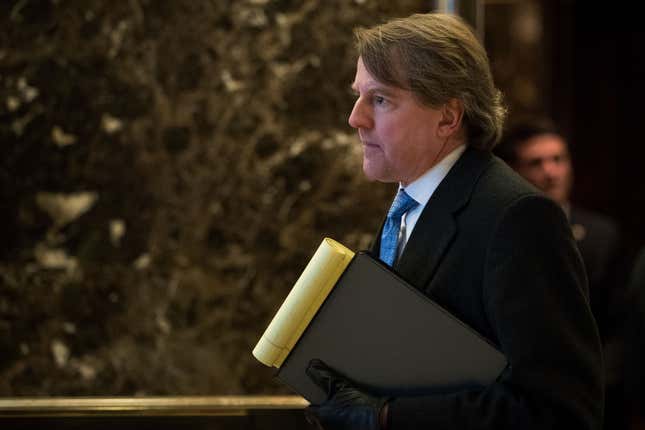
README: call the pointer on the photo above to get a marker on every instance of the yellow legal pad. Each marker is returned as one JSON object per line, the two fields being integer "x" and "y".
{"x": 302, "y": 303}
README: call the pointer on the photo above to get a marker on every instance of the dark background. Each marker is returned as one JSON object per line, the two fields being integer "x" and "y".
{"x": 206, "y": 146}
{"x": 597, "y": 91}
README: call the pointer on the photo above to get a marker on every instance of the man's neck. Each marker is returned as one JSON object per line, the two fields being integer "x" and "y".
{"x": 448, "y": 147}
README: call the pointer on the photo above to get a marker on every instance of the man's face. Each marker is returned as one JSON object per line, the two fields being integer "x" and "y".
{"x": 544, "y": 161}
{"x": 398, "y": 133}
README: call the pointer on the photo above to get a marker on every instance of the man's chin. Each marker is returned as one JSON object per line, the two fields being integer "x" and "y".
{"x": 376, "y": 175}
{"x": 557, "y": 196}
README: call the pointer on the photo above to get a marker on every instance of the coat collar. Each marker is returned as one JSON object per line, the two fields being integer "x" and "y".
{"x": 436, "y": 227}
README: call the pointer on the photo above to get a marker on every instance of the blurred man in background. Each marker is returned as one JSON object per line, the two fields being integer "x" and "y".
{"x": 538, "y": 152}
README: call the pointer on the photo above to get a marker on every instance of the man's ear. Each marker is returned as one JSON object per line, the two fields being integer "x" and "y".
{"x": 452, "y": 113}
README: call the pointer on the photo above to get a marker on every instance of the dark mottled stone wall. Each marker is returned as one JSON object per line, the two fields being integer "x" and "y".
{"x": 167, "y": 168}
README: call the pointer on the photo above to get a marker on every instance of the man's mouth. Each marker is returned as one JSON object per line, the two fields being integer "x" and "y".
{"x": 369, "y": 144}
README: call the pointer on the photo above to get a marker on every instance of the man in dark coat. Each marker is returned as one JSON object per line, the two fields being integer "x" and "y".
{"x": 472, "y": 235}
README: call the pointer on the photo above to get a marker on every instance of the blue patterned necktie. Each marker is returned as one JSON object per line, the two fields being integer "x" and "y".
{"x": 390, "y": 236}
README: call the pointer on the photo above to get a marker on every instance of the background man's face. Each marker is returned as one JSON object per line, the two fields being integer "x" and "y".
{"x": 544, "y": 161}
{"x": 398, "y": 133}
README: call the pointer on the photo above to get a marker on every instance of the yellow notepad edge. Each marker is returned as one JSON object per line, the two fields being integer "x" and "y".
{"x": 303, "y": 301}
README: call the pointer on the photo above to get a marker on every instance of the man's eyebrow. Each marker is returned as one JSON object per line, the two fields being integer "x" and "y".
{"x": 374, "y": 89}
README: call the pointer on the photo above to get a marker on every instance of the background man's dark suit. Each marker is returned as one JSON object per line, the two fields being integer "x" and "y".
{"x": 597, "y": 238}
{"x": 497, "y": 254}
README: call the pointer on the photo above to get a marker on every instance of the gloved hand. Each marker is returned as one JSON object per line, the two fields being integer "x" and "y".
{"x": 347, "y": 407}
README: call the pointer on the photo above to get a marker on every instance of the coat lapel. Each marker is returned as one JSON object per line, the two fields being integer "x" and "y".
{"x": 437, "y": 226}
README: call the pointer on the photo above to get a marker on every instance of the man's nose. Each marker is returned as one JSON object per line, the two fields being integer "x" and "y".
{"x": 361, "y": 116}
{"x": 552, "y": 169}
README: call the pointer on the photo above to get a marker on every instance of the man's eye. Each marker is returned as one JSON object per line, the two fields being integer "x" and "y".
{"x": 379, "y": 100}
{"x": 558, "y": 159}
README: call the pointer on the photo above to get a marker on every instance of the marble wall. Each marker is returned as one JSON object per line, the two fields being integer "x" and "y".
{"x": 167, "y": 168}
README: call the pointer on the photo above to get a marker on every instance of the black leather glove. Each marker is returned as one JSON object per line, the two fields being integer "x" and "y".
{"x": 347, "y": 407}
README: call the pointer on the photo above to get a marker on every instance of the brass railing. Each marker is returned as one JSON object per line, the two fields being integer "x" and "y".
{"x": 243, "y": 412}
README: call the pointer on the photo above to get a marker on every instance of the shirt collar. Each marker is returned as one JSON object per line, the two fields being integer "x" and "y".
{"x": 423, "y": 187}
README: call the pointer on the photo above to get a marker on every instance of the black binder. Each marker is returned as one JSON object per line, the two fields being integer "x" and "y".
{"x": 388, "y": 337}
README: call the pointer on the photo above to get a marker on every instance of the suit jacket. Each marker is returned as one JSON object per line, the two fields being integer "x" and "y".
{"x": 597, "y": 238}
{"x": 500, "y": 256}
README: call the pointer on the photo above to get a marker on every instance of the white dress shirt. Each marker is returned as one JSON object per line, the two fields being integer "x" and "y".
{"x": 421, "y": 190}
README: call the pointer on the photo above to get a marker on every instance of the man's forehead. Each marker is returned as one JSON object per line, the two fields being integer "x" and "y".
{"x": 365, "y": 82}
{"x": 363, "y": 78}
{"x": 544, "y": 142}
{"x": 543, "y": 146}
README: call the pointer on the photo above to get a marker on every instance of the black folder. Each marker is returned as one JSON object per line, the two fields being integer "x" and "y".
{"x": 388, "y": 337}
